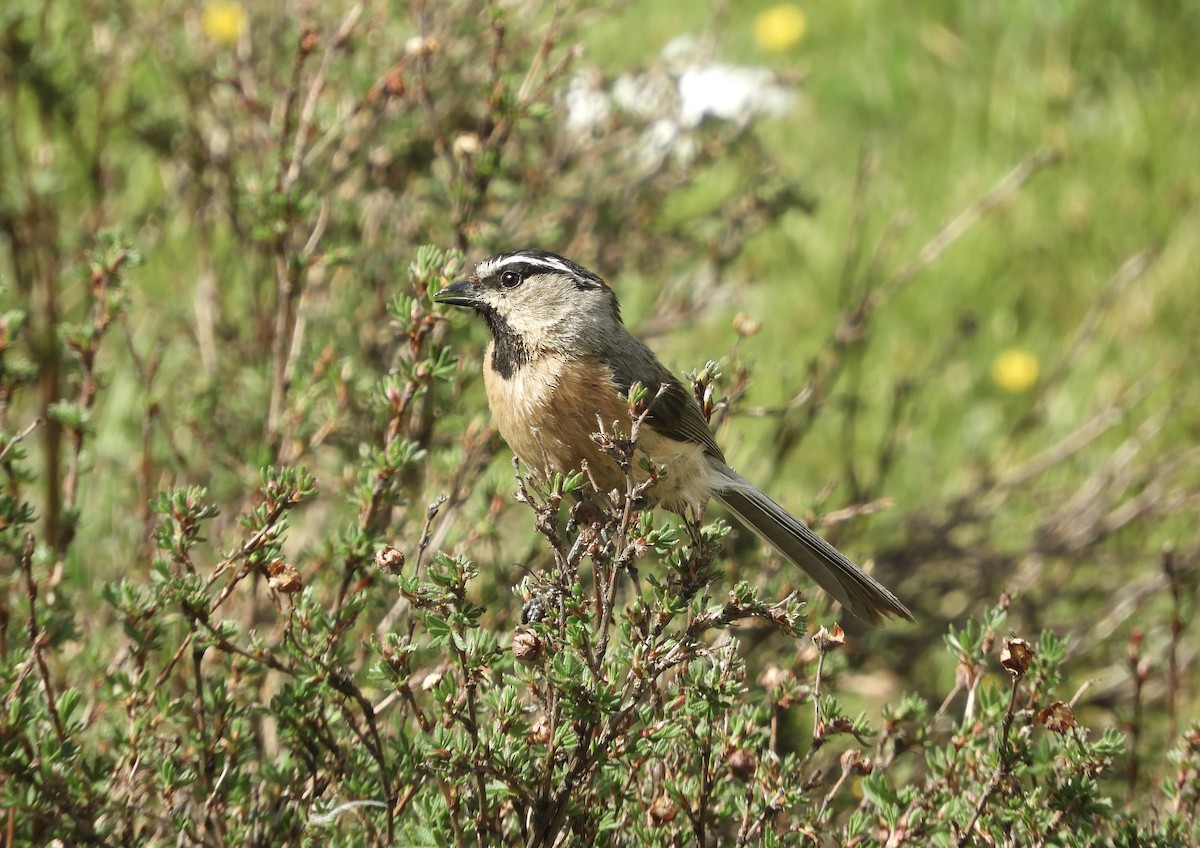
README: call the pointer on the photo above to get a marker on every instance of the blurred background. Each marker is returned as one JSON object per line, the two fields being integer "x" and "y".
{"x": 942, "y": 256}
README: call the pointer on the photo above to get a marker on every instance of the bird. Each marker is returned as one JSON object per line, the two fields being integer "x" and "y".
{"x": 560, "y": 362}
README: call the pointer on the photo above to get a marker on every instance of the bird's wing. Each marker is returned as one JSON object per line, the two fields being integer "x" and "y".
{"x": 674, "y": 413}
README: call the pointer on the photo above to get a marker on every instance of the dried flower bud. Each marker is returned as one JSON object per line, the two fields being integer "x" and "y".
{"x": 1059, "y": 717}
{"x": 587, "y": 513}
{"x": 745, "y": 326}
{"x": 841, "y": 724}
{"x": 396, "y": 660}
{"x": 432, "y": 679}
{"x": 828, "y": 640}
{"x": 393, "y": 82}
{"x": 775, "y": 678}
{"x": 527, "y": 645}
{"x": 1015, "y": 657}
{"x": 284, "y": 578}
{"x": 309, "y": 40}
{"x": 742, "y": 763}
{"x": 853, "y": 762}
{"x": 662, "y": 811}
{"x": 466, "y": 144}
{"x": 389, "y": 560}
{"x": 539, "y": 733}
{"x": 418, "y": 45}
{"x": 1192, "y": 738}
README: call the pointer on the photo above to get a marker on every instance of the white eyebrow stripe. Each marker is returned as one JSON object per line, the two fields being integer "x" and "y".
{"x": 525, "y": 259}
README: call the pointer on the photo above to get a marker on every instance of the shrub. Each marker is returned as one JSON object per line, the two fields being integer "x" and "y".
{"x": 265, "y": 579}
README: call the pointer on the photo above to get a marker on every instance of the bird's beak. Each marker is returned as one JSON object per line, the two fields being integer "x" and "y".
{"x": 462, "y": 293}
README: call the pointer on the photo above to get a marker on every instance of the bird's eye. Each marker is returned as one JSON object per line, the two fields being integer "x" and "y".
{"x": 510, "y": 279}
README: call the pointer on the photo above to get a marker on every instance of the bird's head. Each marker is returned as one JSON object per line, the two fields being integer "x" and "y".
{"x": 538, "y": 300}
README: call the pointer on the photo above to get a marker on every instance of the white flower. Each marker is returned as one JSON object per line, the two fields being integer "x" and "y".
{"x": 647, "y": 96}
{"x": 681, "y": 52}
{"x": 671, "y": 98}
{"x": 728, "y": 92}
{"x": 662, "y": 139}
{"x": 589, "y": 107}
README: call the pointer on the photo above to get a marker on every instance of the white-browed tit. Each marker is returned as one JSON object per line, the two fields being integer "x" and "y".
{"x": 560, "y": 360}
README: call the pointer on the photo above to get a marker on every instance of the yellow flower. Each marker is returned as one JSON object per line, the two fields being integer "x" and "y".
{"x": 1015, "y": 370}
{"x": 780, "y": 27}
{"x": 223, "y": 21}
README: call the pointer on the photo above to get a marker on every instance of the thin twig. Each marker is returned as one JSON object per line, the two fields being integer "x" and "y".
{"x": 19, "y": 437}
{"x": 1131, "y": 270}
{"x": 1174, "y": 681}
{"x": 1003, "y": 767}
{"x": 957, "y": 226}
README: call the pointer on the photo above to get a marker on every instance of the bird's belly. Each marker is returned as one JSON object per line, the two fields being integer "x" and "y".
{"x": 548, "y": 410}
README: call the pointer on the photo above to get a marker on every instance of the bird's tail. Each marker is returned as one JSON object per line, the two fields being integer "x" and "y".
{"x": 858, "y": 591}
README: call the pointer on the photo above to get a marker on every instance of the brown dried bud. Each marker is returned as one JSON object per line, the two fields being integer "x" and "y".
{"x": 421, "y": 45}
{"x": 989, "y": 641}
{"x": 432, "y": 679}
{"x": 284, "y": 578}
{"x": 745, "y": 326}
{"x": 828, "y": 640}
{"x": 309, "y": 39}
{"x": 396, "y": 660}
{"x": 393, "y": 82}
{"x": 742, "y": 763}
{"x": 662, "y": 811}
{"x": 841, "y": 724}
{"x": 389, "y": 560}
{"x": 527, "y": 645}
{"x": 853, "y": 762}
{"x": 1015, "y": 657}
{"x": 588, "y": 513}
{"x": 466, "y": 144}
{"x": 539, "y": 734}
{"x": 774, "y": 677}
{"x": 1059, "y": 717}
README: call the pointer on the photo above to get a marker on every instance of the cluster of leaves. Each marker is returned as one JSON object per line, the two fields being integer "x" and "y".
{"x": 228, "y": 614}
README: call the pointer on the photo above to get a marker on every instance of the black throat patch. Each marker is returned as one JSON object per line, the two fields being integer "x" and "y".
{"x": 508, "y": 351}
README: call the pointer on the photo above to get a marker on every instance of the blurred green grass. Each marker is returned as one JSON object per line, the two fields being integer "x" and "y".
{"x": 946, "y": 98}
